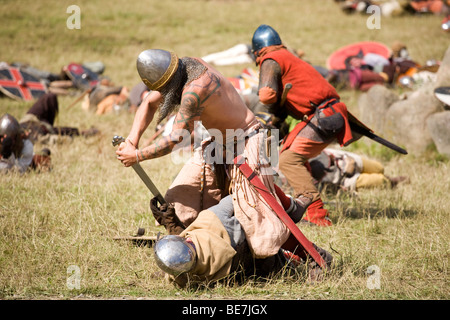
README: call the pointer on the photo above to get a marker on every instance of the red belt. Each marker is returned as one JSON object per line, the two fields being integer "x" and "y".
{"x": 307, "y": 245}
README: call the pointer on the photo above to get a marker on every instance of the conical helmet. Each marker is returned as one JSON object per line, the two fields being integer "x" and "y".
{"x": 156, "y": 67}
{"x": 265, "y": 36}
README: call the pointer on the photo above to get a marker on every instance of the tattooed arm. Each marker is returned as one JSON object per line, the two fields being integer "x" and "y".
{"x": 192, "y": 105}
{"x": 144, "y": 116}
{"x": 189, "y": 112}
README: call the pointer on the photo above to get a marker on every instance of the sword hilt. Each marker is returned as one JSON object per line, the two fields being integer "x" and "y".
{"x": 117, "y": 140}
{"x": 287, "y": 87}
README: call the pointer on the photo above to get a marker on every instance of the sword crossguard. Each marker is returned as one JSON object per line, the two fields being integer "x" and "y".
{"x": 117, "y": 140}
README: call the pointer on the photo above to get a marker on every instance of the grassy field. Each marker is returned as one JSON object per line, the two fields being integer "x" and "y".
{"x": 52, "y": 221}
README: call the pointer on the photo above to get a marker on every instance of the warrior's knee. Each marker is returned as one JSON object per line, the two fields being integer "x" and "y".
{"x": 289, "y": 159}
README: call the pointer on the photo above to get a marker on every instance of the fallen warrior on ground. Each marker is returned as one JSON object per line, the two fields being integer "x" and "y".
{"x": 214, "y": 248}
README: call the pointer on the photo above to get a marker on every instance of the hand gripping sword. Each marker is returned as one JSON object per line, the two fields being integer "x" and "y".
{"x": 141, "y": 173}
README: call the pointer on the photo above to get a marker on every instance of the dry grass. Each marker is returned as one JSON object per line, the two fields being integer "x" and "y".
{"x": 49, "y": 221}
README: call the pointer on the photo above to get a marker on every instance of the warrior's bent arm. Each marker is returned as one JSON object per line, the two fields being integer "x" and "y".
{"x": 144, "y": 116}
{"x": 270, "y": 87}
{"x": 126, "y": 153}
{"x": 189, "y": 112}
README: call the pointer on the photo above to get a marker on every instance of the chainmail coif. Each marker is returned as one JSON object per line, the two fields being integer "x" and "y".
{"x": 189, "y": 69}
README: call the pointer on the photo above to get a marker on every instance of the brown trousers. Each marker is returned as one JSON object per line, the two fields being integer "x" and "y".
{"x": 292, "y": 165}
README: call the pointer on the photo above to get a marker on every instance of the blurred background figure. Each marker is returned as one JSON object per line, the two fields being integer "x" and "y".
{"x": 39, "y": 121}
{"x": 137, "y": 94}
{"x": 349, "y": 171}
{"x": 16, "y": 150}
{"x": 240, "y": 53}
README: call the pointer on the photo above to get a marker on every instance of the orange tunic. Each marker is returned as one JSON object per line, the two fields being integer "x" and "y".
{"x": 309, "y": 89}
{"x": 308, "y": 85}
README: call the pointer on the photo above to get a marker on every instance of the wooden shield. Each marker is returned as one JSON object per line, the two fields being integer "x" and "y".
{"x": 20, "y": 85}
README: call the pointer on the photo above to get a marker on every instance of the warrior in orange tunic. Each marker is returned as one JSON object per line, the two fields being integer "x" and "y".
{"x": 311, "y": 99}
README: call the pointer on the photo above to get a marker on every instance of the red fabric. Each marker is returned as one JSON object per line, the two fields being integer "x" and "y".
{"x": 285, "y": 200}
{"x": 344, "y": 137}
{"x": 369, "y": 79}
{"x": 317, "y": 214}
{"x": 308, "y": 85}
{"x": 261, "y": 53}
{"x": 279, "y": 210}
{"x": 267, "y": 95}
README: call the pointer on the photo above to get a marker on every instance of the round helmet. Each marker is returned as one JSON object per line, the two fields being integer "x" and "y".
{"x": 9, "y": 126}
{"x": 156, "y": 67}
{"x": 265, "y": 36}
{"x": 174, "y": 255}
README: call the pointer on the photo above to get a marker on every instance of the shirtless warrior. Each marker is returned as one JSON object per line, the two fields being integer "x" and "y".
{"x": 195, "y": 91}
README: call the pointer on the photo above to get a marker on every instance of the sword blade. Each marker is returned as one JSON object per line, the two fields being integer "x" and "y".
{"x": 376, "y": 138}
{"x": 141, "y": 173}
{"x": 148, "y": 182}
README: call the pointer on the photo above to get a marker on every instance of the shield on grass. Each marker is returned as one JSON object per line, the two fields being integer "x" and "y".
{"x": 20, "y": 85}
{"x": 82, "y": 77}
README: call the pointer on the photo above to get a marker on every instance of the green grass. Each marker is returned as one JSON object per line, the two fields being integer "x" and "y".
{"x": 50, "y": 221}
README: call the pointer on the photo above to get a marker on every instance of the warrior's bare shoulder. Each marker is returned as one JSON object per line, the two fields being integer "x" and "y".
{"x": 216, "y": 101}
{"x": 205, "y": 85}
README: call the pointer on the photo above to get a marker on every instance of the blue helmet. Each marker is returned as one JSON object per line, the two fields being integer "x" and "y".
{"x": 265, "y": 36}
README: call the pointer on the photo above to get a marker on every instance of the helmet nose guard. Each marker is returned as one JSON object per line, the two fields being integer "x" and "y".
{"x": 265, "y": 36}
{"x": 174, "y": 255}
{"x": 156, "y": 67}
